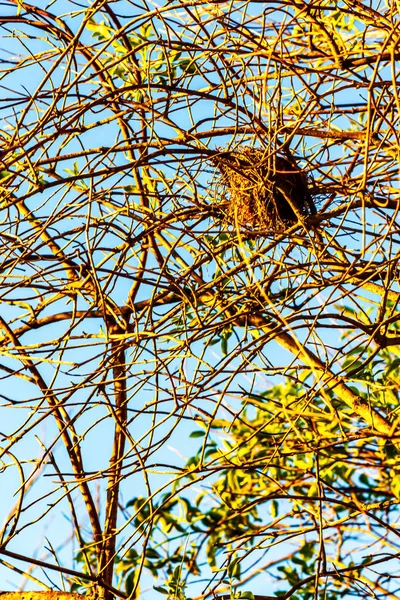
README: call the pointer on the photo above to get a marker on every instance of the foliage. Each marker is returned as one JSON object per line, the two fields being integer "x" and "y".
{"x": 211, "y": 404}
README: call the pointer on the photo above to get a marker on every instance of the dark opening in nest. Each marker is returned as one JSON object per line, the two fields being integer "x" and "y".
{"x": 261, "y": 191}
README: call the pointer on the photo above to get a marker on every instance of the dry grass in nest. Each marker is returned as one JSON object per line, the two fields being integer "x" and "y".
{"x": 262, "y": 191}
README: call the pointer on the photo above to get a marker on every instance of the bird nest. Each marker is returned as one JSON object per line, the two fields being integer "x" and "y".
{"x": 261, "y": 191}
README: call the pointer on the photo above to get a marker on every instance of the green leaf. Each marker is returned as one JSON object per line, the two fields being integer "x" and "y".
{"x": 234, "y": 568}
{"x": 151, "y": 553}
{"x": 130, "y": 582}
{"x": 188, "y": 66}
{"x": 131, "y": 189}
{"x": 364, "y": 479}
{"x": 393, "y": 366}
{"x": 146, "y": 31}
{"x": 161, "y": 590}
{"x": 307, "y": 550}
{"x": 390, "y": 449}
{"x": 197, "y": 434}
{"x": 274, "y": 509}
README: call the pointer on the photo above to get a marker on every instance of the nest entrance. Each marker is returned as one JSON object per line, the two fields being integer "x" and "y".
{"x": 260, "y": 191}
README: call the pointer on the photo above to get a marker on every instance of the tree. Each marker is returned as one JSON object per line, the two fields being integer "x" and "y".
{"x": 200, "y": 252}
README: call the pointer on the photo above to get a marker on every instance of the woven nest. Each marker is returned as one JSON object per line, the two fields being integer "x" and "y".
{"x": 260, "y": 191}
